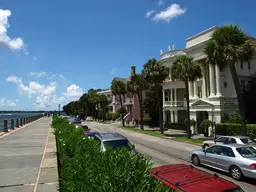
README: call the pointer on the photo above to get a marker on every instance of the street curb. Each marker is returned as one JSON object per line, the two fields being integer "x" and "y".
{"x": 164, "y": 137}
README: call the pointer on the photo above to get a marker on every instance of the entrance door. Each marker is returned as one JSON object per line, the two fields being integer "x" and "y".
{"x": 200, "y": 116}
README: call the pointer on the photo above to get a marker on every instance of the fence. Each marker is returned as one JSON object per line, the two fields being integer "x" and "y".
{"x": 16, "y": 122}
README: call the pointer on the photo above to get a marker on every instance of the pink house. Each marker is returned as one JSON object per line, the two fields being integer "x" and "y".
{"x": 130, "y": 101}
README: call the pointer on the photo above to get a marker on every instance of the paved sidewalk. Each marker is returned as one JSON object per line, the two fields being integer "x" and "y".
{"x": 28, "y": 161}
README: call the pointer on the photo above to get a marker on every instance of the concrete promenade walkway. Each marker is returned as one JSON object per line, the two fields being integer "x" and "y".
{"x": 28, "y": 161}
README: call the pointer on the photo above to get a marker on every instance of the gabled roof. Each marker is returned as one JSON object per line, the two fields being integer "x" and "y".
{"x": 201, "y": 102}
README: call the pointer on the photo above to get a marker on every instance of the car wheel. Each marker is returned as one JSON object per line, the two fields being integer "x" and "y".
{"x": 195, "y": 160}
{"x": 236, "y": 173}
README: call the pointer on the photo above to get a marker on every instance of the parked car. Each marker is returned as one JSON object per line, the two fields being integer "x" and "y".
{"x": 181, "y": 177}
{"x": 89, "y": 118}
{"x": 85, "y": 129}
{"x": 114, "y": 140}
{"x": 76, "y": 121}
{"x": 236, "y": 159}
{"x": 230, "y": 140}
{"x": 91, "y": 135}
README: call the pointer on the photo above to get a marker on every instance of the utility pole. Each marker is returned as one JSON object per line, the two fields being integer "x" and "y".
{"x": 59, "y": 109}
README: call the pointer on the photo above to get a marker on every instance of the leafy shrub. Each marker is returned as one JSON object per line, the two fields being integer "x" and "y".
{"x": 231, "y": 118}
{"x": 235, "y": 129}
{"x": 84, "y": 168}
{"x": 192, "y": 122}
{"x": 178, "y": 126}
{"x": 205, "y": 124}
{"x": 146, "y": 121}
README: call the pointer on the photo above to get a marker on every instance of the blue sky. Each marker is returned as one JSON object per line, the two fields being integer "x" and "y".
{"x": 53, "y": 51}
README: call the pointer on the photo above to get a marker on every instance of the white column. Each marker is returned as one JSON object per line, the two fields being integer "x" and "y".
{"x": 164, "y": 117}
{"x": 163, "y": 96}
{"x": 176, "y": 116}
{"x": 195, "y": 89}
{"x": 211, "y": 73}
{"x": 204, "y": 82}
{"x": 172, "y": 116}
{"x": 218, "y": 89}
{"x": 190, "y": 84}
{"x": 175, "y": 96}
{"x": 171, "y": 97}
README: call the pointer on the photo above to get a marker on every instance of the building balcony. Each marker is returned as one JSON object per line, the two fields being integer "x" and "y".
{"x": 171, "y": 53}
{"x": 129, "y": 101}
{"x": 178, "y": 103}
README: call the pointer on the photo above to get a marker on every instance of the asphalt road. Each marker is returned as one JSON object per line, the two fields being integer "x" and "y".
{"x": 165, "y": 151}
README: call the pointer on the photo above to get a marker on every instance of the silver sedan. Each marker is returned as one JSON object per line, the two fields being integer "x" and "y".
{"x": 237, "y": 160}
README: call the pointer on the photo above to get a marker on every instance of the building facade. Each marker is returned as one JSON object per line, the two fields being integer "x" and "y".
{"x": 211, "y": 96}
{"x": 130, "y": 101}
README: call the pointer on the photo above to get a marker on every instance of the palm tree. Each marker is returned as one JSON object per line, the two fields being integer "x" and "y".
{"x": 118, "y": 88}
{"x": 137, "y": 85}
{"x": 155, "y": 73}
{"x": 185, "y": 69}
{"x": 228, "y": 46}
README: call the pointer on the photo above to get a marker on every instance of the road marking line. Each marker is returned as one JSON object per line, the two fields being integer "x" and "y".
{"x": 39, "y": 171}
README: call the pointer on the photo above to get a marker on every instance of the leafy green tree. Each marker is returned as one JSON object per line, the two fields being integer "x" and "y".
{"x": 102, "y": 103}
{"x": 118, "y": 88}
{"x": 230, "y": 45}
{"x": 185, "y": 69}
{"x": 137, "y": 85}
{"x": 155, "y": 73}
{"x": 150, "y": 104}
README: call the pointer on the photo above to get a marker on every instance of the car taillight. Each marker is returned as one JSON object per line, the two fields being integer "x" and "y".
{"x": 253, "y": 165}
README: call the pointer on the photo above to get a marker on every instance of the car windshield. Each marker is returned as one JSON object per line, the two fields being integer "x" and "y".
{"x": 238, "y": 189}
{"x": 118, "y": 143}
{"x": 246, "y": 140}
{"x": 247, "y": 152}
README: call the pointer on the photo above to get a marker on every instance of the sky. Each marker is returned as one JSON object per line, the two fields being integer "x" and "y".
{"x": 51, "y": 52}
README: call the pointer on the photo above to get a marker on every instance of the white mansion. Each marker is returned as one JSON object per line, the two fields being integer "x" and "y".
{"x": 211, "y": 96}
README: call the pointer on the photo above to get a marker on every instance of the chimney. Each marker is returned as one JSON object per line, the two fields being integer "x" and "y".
{"x": 133, "y": 70}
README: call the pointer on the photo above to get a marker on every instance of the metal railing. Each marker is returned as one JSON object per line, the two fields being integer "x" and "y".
{"x": 175, "y": 104}
{"x": 13, "y": 122}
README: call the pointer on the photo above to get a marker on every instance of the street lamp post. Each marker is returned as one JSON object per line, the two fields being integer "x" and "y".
{"x": 59, "y": 109}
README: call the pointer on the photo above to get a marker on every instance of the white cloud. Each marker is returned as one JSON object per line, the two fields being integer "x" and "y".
{"x": 46, "y": 101}
{"x": 47, "y": 75}
{"x": 33, "y": 87}
{"x": 113, "y": 71}
{"x": 13, "y": 79}
{"x": 161, "y": 2}
{"x": 14, "y": 44}
{"x": 171, "y": 12}
{"x": 44, "y": 96}
{"x": 149, "y": 13}
{"x": 73, "y": 92}
{"x": 7, "y": 103}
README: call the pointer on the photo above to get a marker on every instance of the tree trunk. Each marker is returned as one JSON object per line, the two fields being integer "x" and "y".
{"x": 158, "y": 92}
{"x": 141, "y": 111}
{"x": 240, "y": 98}
{"x": 122, "y": 110}
{"x": 188, "y": 110}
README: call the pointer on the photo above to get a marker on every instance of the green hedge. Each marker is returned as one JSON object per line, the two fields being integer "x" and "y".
{"x": 146, "y": 121}
{"x": 235, "y": 129}
{"x": 178, "y": 126}
{"x": 82, "y": 167}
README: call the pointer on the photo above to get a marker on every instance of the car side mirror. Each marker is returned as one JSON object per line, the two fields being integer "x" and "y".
{"x": 89, "y": 129}
{"x": 133, "y": 146}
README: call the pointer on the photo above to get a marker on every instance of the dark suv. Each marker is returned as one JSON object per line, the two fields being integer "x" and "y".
{"x": 114, "y": 140}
